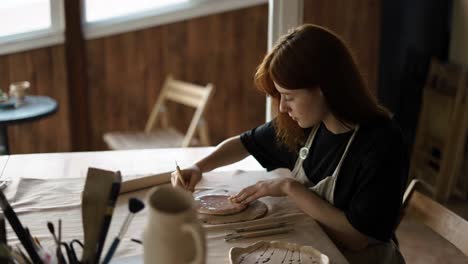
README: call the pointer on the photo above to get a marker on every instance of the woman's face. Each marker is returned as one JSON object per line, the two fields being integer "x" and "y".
{"x": 305, "y": 106}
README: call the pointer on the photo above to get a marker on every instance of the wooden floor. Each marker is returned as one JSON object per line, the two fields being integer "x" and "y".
{"x": 419, "y": 244}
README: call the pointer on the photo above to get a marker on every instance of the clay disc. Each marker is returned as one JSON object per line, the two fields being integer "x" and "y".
{"x": 216, "y": 204}
{"x": 254, "y": 211}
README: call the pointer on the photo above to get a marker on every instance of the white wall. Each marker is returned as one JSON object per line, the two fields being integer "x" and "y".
{"x": 282, "y": 15}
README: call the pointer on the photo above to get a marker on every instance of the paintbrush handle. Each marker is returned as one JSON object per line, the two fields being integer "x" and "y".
{"x": 111, "y": 201}
{"x": 19, "y": 229}
{"x": 111, "y": 251}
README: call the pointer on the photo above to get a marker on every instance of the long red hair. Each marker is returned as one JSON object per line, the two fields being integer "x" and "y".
{"x": 311, "y": 56}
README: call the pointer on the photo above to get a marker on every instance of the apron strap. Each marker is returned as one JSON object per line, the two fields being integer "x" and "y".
{"x": 304, "y": 152}
{"x": 298, "y": 172}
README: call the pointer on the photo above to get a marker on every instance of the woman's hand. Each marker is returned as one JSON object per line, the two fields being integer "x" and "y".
{"x": 191, "y": 176}
{"x": 276, "y": 187}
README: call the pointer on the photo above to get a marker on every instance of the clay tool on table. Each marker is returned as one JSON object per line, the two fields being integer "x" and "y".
{"x": 113, "y": 196}
{"x": 99, "y": 188}
{"x": 138, "y": 241}
{"x": 260, "y": 227}
{"x": 58, "y": 252}
{"x": 260, "y": 233}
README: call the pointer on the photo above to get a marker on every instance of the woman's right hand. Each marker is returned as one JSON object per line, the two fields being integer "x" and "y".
{"x": 191, "y": 176}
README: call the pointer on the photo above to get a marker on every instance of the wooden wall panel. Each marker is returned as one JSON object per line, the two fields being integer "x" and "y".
{"x": 357, "y": 22}
{"x": 44, "y": 68}
{"x": 126, "y": 72}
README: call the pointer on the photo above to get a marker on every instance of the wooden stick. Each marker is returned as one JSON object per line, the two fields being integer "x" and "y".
{"x": 179, "y": 175}
{"x": 145, "y": 182}
{"x": 258, "y": 233}
{"x": 260, "y": 227}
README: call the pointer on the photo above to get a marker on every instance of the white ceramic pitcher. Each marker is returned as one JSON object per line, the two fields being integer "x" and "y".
{"x": 173, "y": 234}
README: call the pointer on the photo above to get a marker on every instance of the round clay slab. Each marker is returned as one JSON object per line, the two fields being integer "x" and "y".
{"x": 216, "y": 204}
{"x": 255, "y": 210}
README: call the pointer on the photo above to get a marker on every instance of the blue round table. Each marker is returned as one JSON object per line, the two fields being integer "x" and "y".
{"x": 33, "y": 108}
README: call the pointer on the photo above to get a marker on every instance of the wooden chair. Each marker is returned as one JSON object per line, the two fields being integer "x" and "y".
{"x": 414, "y": 185}
{"x": 441, "y": 220}
{"x": 438, "y": 150}
{"x": 407, "y": 196}
{"x": 166, "y": 136}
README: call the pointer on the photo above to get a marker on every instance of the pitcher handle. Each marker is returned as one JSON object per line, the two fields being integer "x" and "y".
{"x": 199, "y": 239}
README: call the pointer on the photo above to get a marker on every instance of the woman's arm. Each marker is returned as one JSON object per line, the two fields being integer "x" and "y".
{"x": 229, "y": 151}
{"x": 333, "y": 220}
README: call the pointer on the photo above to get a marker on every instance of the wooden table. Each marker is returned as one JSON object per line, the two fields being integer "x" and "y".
{"x": 132, "y": 162}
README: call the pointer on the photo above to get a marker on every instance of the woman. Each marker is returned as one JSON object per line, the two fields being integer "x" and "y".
{"x": 347, "y": 156}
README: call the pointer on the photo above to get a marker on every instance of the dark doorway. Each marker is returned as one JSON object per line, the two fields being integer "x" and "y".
{"x": 411, "y": 33}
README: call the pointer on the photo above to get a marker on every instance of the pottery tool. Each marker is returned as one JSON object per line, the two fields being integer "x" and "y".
{"x": 18, "y": 228}
{"x": 58, "y": 252}
{"x": 179, "y": 175}
{"x": 51, "y": 228}
{"x": 260, "y": 233}
{"x": 138, "y": 241}
{"x": 259, "y": 227}
{"x": 134, "y": 206}
{"x": 94, "y": 210}
{"x": 114, "y": 194}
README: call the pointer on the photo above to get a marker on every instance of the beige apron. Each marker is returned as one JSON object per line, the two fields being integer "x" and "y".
{"x": 377, "y": 251}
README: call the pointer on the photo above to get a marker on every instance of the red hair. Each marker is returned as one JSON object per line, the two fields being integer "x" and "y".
{"x": 310, "y": 56}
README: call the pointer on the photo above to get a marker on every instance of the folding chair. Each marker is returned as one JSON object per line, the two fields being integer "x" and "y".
{"x": 167, "y": 136}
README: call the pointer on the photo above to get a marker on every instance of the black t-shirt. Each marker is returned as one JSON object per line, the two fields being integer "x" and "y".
{"x": 372, "y": 179}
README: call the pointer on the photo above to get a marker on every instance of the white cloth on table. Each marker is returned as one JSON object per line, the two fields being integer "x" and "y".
{"x": 57, "y": 199}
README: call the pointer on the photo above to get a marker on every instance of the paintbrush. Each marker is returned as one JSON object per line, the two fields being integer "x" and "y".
{"x": 113, "y": 196}
{"x": 18, "y": 228}
{"x": 134, "y": 206}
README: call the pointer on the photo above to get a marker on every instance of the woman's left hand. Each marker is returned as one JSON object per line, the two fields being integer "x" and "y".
{"x": 276, "y": 187}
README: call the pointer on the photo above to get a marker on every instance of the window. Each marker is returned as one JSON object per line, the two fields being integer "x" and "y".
{"x": 109, "y": 17}
{"x": 98, "y": 10}
{"x": 28, "y": 24}
{"x": 20, "y": 16}
{"x": 24, "y": 20}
